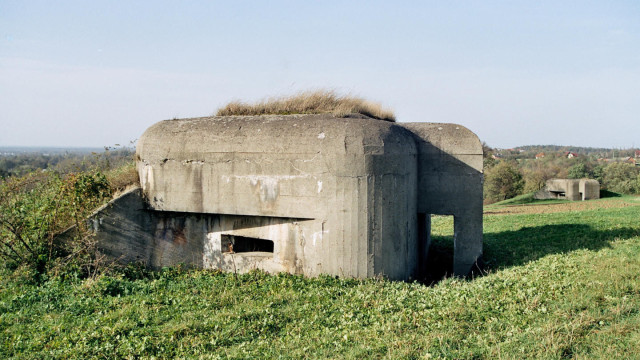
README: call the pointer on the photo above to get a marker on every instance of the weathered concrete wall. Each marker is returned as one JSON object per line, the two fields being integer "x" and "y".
{"x": 450, "y": 183}
{"x": 126, "y": 229}
{"x": 353, "y": 180}
{"x": 348, "y": 197}
{"x": 570, "y": 189}
{"x": 130, "y": 232}
{"x": 590, "y": 189}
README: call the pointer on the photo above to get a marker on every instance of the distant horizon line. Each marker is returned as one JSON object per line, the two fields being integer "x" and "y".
{"x": 58, "y": 148}
{"x": 564, "y": 146}
{"x": 36, "y": 148}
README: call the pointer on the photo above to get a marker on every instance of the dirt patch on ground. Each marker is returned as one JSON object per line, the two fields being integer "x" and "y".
{"x": 563, "y": 207}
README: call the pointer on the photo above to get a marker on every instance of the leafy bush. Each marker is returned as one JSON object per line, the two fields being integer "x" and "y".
{"x": 36, "y": 207}
{"x": 28, "y": 209}
{"x": 579, "y": 171}
{"x": 621, "y": 178}
{"x": 502, "y": 182}
{"x": 535, "y": 180}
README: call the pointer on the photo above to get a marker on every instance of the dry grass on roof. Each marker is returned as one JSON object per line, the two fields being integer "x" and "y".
{"x": 311, "y": 102}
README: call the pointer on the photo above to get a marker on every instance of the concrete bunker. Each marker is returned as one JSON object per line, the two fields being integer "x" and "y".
{"x": 570, "y": 189}
{"x": 305, "y": 194}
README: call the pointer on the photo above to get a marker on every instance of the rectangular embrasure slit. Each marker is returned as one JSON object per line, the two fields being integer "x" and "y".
{"x": 243, "y": 244}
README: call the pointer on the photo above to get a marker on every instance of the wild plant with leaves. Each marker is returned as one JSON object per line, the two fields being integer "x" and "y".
{"x": 36, "y": 207}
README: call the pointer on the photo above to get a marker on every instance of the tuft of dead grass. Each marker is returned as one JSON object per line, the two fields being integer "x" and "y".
{"x": 123, "y": 178}
{"x": 310, "y": 102}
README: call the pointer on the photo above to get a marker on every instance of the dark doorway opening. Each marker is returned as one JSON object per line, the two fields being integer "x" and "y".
{"x": 242, "y": 244}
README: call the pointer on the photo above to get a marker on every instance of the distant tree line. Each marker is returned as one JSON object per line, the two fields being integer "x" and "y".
{"x": 530, "y": 152}
{"x": 20, "y": 164}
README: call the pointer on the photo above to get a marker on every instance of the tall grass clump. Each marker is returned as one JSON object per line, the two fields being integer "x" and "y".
{"x": 309, "y": 102}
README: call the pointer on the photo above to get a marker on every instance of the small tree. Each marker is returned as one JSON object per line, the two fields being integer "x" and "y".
{"x": 579, "y": 171}
{"x": 502, "y": 182}
{"x": 535, "y": 180}
{"x": 621, "y": 178}
{"x": 598, "y": 173}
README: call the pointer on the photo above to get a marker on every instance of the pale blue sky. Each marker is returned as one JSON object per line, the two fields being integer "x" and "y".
{"x": 97, "y": 73}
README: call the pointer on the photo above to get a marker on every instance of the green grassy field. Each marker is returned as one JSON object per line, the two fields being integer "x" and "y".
{"x": 562, "y": 281}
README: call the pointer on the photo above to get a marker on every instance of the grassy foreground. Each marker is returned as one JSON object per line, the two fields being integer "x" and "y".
{"x": 562, "y": 282}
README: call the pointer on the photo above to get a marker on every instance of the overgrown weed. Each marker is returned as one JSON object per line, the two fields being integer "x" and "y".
{"x": 37, "y": 207}
{"x": 309, "y": 102}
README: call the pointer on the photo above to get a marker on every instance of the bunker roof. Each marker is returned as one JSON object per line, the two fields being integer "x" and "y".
{"x": 303, "y": 134}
